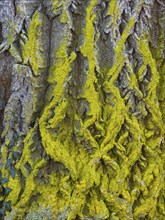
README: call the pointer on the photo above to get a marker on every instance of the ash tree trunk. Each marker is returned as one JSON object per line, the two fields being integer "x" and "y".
{"x": 82, "y": 109}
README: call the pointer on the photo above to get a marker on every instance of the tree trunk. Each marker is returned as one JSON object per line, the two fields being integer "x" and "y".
{"x": 82, "y": 99}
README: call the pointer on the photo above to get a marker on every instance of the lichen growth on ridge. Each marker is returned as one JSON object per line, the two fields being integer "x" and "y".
{"x": 104, "y": 162}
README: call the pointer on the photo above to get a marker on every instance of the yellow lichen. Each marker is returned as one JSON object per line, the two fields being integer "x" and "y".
{"x": 31, "y": 51}
{"x": 110, "y": 162}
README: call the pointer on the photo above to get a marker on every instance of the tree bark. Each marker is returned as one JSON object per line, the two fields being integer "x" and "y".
{"x": 82, "y": 99}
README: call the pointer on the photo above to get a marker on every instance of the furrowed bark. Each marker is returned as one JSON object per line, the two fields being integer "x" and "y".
{"x": 82, "y": 109}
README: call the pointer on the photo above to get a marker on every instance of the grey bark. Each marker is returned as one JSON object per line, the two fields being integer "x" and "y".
{"x": 24, "y": 95}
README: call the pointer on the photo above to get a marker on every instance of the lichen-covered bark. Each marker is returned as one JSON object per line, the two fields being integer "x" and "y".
{"x": 82, "y": 98}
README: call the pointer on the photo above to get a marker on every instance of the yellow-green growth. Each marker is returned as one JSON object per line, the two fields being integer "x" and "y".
{"x": 88, "y": 50}
{"x": 32, "y": 52}
{"x": 106, "y": 164}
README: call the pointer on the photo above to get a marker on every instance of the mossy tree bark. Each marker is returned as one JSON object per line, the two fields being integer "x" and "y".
{"x": 82, "y": 99}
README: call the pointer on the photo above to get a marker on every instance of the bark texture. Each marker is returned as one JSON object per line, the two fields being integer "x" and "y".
{"x": 82, "y": 109}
